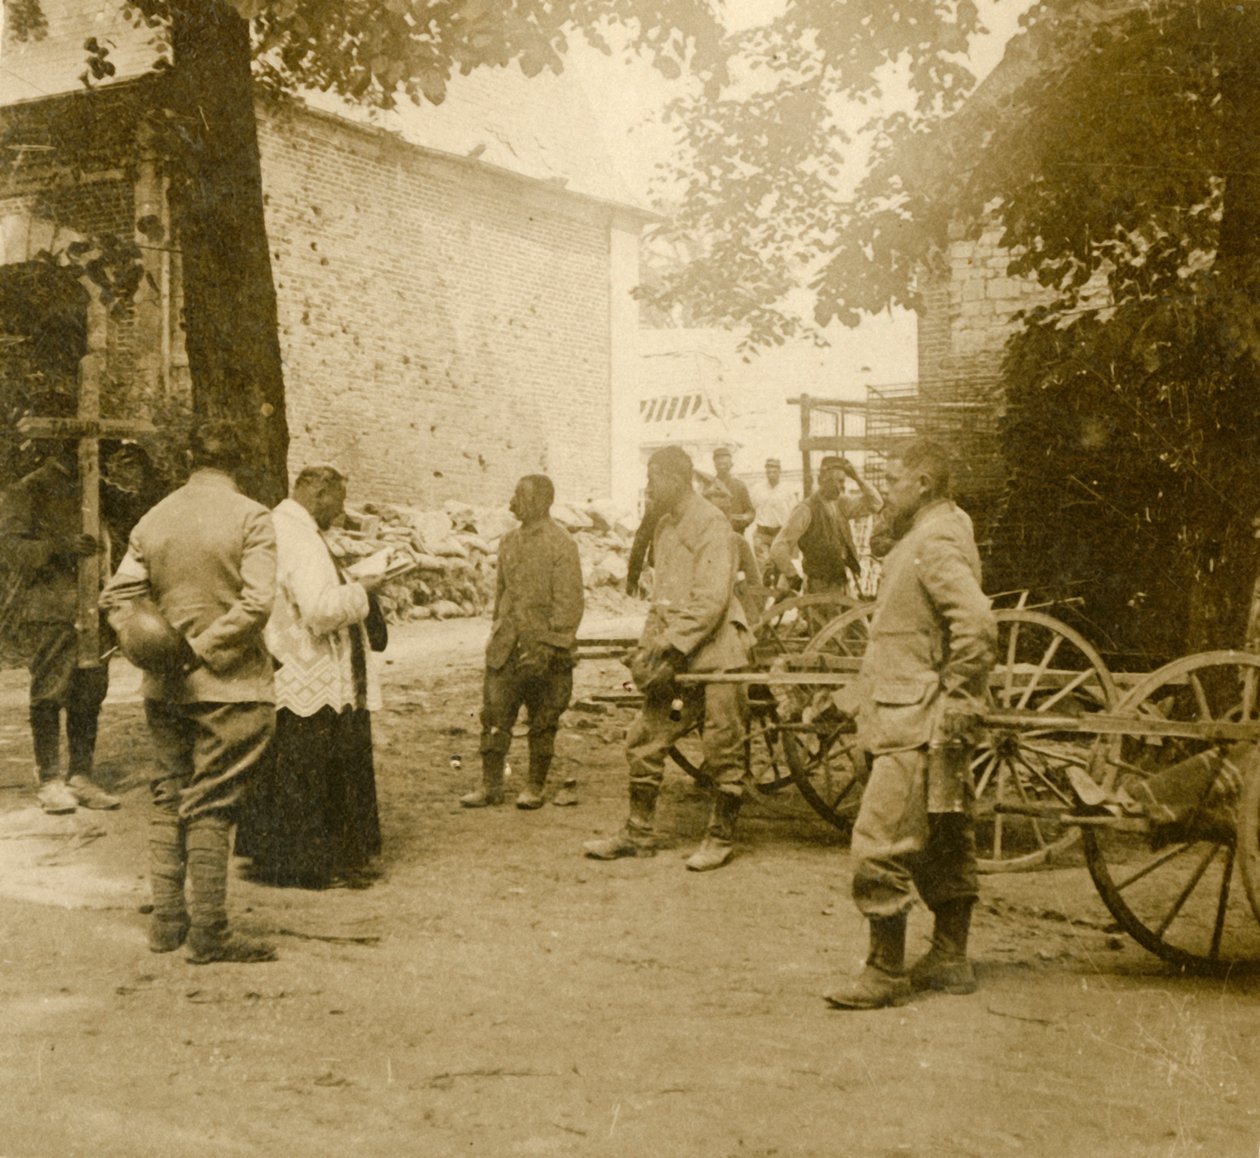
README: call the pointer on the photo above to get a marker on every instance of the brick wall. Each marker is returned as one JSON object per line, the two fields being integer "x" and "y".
{"x": 445, "y": 328}
{"x": 966, "y": 320}
{"x": 967, "y": 316}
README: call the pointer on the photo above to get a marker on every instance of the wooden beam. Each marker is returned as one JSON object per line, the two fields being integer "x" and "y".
{"x": 74, "y": 428}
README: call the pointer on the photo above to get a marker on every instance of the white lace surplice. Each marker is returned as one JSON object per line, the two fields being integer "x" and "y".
{"x": 314, "y": 613}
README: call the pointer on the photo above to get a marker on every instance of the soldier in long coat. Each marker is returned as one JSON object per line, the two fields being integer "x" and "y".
{"x": 923, "y": 683}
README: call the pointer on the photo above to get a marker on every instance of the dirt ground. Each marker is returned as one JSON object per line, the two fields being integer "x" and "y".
{"x": 497, "y": 994}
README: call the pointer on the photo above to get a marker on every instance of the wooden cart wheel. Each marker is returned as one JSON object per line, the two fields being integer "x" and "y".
{"x": 1171, "y": 878}
{"x": 766, "y": 769}
{"x": 1043, "y": 665}
{"x": 788, "y": 626}
{"x": 819, "y": 742}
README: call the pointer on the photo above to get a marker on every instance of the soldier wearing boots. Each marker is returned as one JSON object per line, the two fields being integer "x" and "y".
{"x": 695, "y": 624}
{"x": 42, "y": 540}
{"x": 189, "y": 602}
{"x": 923, "y": 683}
{"x": 529, "y": 660}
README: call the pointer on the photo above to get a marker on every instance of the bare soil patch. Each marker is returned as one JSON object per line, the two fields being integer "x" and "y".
{"x": 497, "y": 994}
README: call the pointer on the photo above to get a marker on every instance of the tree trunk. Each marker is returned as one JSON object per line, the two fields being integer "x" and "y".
{"x": 217, "y": 204}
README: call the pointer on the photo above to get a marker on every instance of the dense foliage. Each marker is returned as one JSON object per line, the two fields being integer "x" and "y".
{"x": 1117, "y": 145}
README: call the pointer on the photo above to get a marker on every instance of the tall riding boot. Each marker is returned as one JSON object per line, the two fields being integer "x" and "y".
{"x": 531, "y": 795}
{"x": 167, "y": 861}
{"x": 209, "y": 938}
{"x": 719, "y": 838}
{"x": 883, "y": 982}
{"x": 945, "y": 966}
{"x": 491, "y": 790}
{"x": 637, "y": 836}
{"x": 81, "y": 728}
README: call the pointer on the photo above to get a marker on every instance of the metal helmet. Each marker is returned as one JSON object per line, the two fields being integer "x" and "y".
{"x": 147, "y": 639}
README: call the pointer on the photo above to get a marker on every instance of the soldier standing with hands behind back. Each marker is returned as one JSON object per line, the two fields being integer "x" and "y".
{"x": 189, "y": 602}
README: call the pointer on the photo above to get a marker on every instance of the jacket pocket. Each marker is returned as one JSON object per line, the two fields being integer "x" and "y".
{"x": 900, "y": 714}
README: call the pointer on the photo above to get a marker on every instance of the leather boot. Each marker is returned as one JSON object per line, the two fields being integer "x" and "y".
{"x": 945, "y": 966}
{"x": 81, "y": 726}
{"x": 883, "y": 982}
{"x": 167, "y": 861}
{"x": 531, "y": 796}
{"x": 637, "y": 836}
{"x": 46, "y": 739}
{"x": 209, "y": 938}
{"x": 491, "y": 790}
{"x": 719, "y": 838}
{"x": 81, "y": 729}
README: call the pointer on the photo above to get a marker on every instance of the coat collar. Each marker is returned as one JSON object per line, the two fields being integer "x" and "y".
{"x": 208, "y": 476}
{"x": 931, "y": 510}
{"x": 292, "y": 509}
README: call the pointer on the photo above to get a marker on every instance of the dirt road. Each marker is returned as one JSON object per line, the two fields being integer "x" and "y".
{"x": 497, "y": 994}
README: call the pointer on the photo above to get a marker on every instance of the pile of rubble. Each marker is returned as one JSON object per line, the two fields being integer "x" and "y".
{"x": 445, "y": 560}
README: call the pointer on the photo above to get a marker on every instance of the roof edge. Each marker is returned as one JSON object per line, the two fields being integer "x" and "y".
{"x": 623, "y": 208}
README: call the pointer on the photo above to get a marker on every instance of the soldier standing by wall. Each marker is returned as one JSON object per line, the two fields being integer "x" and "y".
{"x": 538, "y": 607}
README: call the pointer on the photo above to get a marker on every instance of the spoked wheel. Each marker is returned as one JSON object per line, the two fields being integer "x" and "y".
{"x": 766, "y": 769}
{"x": 787, "y": 627}
{"x": 819, "y": 742}
{"x": 1043, "y": 665}
{"x": 1171, "y": 875}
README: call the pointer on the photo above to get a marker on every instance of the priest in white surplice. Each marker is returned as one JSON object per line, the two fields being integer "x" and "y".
{"x": 311, "y": 819}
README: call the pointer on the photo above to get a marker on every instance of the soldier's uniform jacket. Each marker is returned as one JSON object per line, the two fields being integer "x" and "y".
{"x": 538, "y": 592}
{"x": 694, "y": 607}
{"x": 933, "y": 637}
{"x": 38, "y": 509}
{"x": 207, "y": 556}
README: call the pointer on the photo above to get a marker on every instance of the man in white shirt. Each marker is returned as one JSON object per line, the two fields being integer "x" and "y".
{"x": 773, "y": 501}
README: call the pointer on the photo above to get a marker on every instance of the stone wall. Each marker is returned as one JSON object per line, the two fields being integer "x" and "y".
{"x": 445, "y": 328}
{"x": 967, "y": 318}
{"x": 968, "y": 311}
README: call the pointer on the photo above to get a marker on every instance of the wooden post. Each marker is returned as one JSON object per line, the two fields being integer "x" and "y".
{"x": 87, "y": 617}
{"x": 807, "y": 474}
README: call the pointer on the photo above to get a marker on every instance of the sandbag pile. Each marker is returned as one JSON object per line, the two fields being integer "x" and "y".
{"x": 455, "y": 552}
